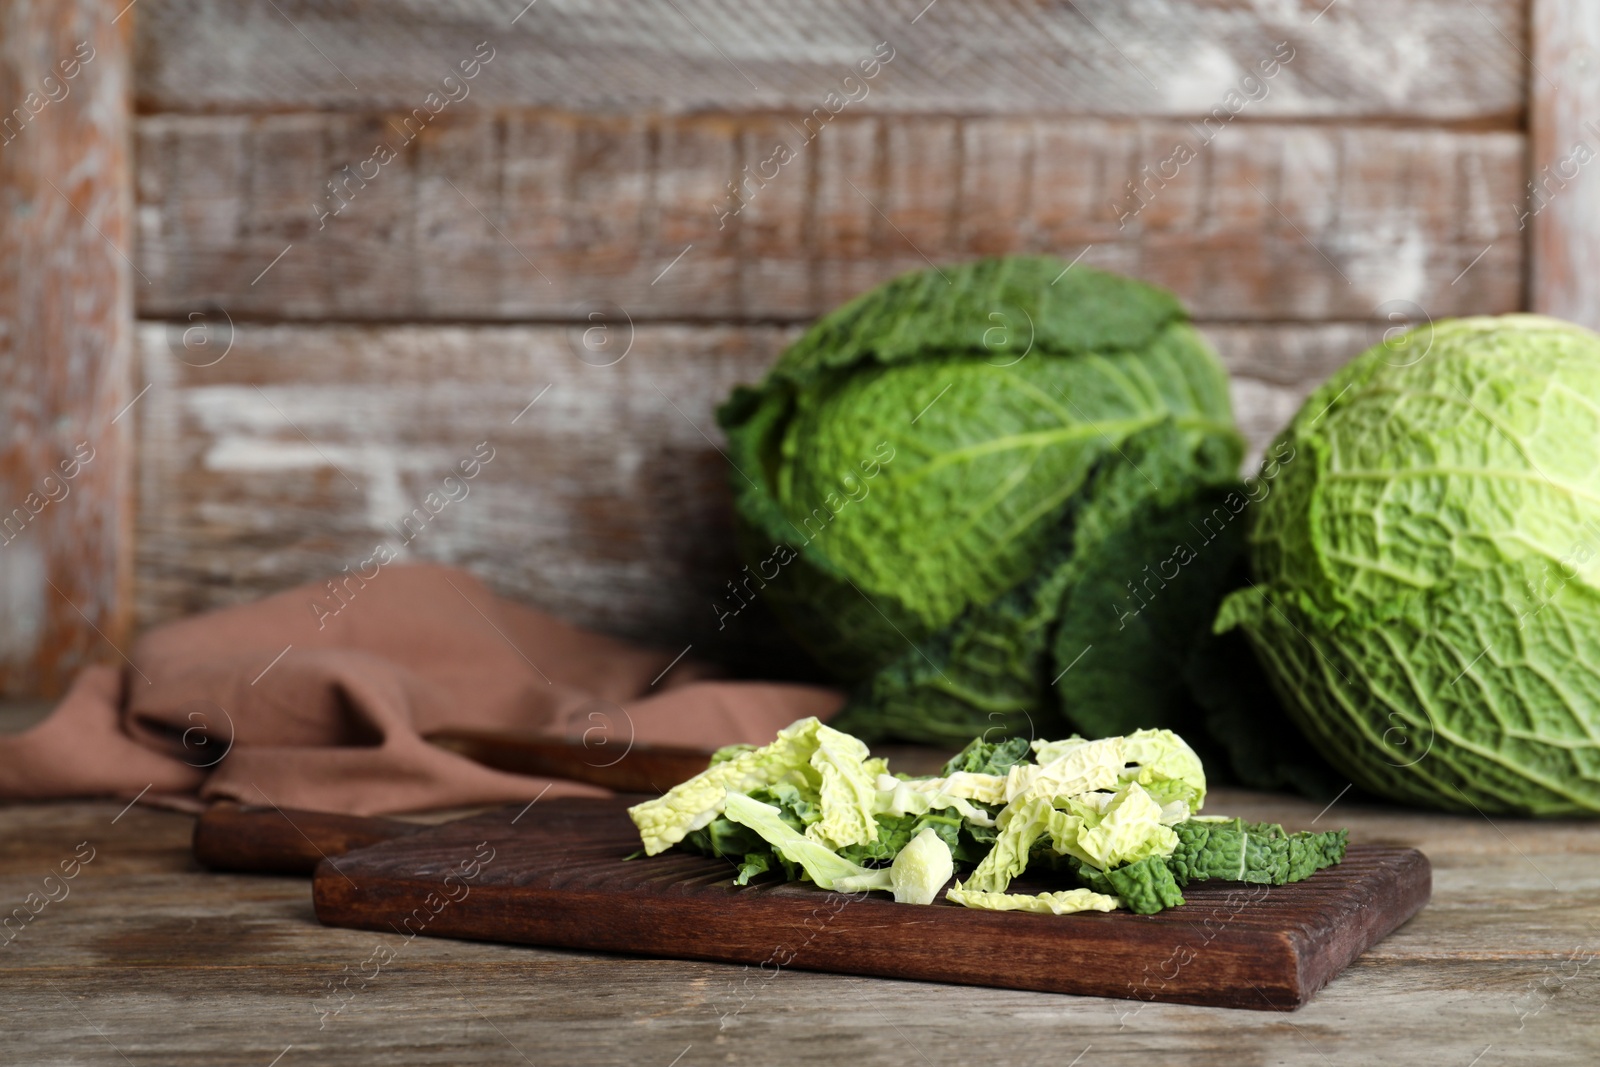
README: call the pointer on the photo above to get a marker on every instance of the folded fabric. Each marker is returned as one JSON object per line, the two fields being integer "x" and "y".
{"x": 289, "y": 702}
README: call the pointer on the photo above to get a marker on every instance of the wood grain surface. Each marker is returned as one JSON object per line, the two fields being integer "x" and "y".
{"x": 551, "y": 215}
{"x": 605, "y": 500}
{"x": 66, "y": 317}
{"x": 1436, "y": 59}
{"x": 574, "y": 196}
{"x": 1560, "y": 208}
{"x": 151, "y": 961}
{"x": 639, "y": 769}
{"x": 563, "y": 880}
{"x": 228, "y": 837}
{"x": 283, "y": 458}
{"x": 175, "y": 966}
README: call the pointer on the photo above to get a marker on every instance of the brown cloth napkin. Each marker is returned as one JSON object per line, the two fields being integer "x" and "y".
{"x": 278, "y": 702}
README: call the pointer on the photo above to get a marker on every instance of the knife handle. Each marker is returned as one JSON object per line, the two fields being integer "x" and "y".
{"x": 228, "y": 837}
{"x": 652, "y": 769}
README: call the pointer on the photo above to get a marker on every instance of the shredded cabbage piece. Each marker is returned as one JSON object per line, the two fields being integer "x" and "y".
{"x": 1062, "y": 902}
{"x": 1115, "y": 815}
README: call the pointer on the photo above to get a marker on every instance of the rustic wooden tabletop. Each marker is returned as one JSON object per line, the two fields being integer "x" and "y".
{"x": 143, "y": 958}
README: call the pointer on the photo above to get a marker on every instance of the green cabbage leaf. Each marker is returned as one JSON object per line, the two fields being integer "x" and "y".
{"x": 1237, "y": 851}
{"x": 821, "y": 864}
{"x": 979, "y": 471}
{"x": 1059, "y": 902}
{"x": 1425, "y": 575}
{"x": 691, "y": 805}
{"x": 1114, "y": 815}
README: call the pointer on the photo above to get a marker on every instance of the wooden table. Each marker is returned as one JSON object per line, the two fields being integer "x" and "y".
{"x": 150, "y": 960}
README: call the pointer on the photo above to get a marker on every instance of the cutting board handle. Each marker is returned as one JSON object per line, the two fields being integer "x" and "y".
{"x": 228, "y": 837}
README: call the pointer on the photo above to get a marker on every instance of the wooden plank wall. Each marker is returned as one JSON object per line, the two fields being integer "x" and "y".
{"x": 327, "y": 329}
{"x": 66, "y": 516}
{"x": 1561, "y": 212}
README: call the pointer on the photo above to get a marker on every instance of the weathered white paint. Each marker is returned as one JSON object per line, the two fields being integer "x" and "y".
{"x": 23, "y": 587}
{"x": 1207, "y": 73}
{"x": 1272, "y": 222}
{"x": 66, "y": 316}
{"x": 604, "y": 502}
{"x": 1392, "y": 268}
{"x": 1262, "y": 409}
{"x": 1564, "y": 277}
{"x": 1434, "y": 59}
{"x": 261, "y": 454}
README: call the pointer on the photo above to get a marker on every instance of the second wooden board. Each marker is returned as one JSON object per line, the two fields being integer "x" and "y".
{"x": 555, "y": 874}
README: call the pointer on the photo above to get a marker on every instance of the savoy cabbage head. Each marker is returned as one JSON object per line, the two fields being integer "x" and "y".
{"x": 976, "y": 481}
{"x": 1426, "y": 588}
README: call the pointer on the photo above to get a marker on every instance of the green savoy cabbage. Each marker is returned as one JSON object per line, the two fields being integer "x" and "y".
{"x": 1426, "y": 592}
{"x": 1003, "y": 494}
{"x": 1114, "y": 818}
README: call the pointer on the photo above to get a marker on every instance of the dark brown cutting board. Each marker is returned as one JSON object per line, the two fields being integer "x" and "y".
{"x": 558, "y": 876}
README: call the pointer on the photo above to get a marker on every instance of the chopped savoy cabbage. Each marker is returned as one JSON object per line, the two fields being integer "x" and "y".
{"x": 1115, "y": 818}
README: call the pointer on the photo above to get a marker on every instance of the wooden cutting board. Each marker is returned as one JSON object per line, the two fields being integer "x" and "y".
{"x": 557, "y": 876}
